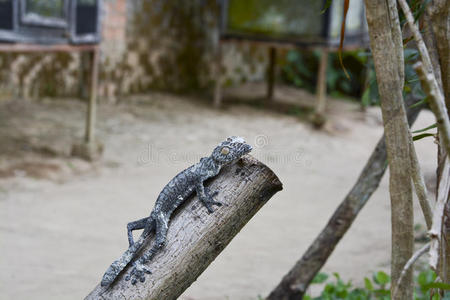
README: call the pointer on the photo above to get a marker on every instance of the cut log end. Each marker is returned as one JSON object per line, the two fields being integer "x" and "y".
{"x": 195, "y": 237}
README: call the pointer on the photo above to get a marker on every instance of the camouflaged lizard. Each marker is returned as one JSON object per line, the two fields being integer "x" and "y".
{"x": 179, "y": 189}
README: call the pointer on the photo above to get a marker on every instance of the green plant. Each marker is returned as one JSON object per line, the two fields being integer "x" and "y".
{"x": 376, "y": 288}
{"x": 300, "y": 69}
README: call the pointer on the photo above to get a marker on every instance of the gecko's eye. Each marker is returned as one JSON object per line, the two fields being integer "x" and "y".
{"x": 225, "y": 151}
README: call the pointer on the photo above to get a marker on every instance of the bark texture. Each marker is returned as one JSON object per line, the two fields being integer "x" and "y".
{"x": 195, "y": 238}
{"x": 387, "y": 48}
{"x": 440, "y": 17}
{"x": 439, "y": 11}
{"x": 296, "y": 282}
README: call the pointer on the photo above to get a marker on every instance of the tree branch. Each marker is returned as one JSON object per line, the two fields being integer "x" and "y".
{"x": 387, "y": 48}
{"x": 295, "y": 283}
{"x": 438, "y": 215}
{"x": 436, "y": 101}
{"x": 420, "y": 187}
{"x": 410, "y": 263}
{"x": 428, "y": 79}
{"x": 195, "y": 238}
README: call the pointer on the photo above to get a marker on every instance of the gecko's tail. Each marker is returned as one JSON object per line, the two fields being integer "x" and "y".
{"x": 117, "y": 267}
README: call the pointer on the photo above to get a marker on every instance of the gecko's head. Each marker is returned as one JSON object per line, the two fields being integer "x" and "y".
{"x": 230, "y": 150}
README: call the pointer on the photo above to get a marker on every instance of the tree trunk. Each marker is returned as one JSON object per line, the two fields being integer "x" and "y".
{"x": 297, "y": 281}
{"x": 440, "y": 15}
{"x": 195, "y": 238}
{"x": 387, "y": 48}
{"x": 439, "y": 11}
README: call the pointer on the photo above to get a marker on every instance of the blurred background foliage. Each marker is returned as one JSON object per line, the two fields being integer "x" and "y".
{"x": 299, "y": 69}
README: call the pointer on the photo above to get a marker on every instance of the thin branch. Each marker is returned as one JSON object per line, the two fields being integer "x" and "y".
{"x": 409, "y": 264}
{"x": 428, "y": 79}
{"x": 436, "y": 101}
{"x": 417, "y": 36}
{"x": 420, "y": 187}
{"x": 438, "y": 214}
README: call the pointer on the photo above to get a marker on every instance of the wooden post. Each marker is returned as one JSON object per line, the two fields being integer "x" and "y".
{"x": 83, "y": 77}
{"x": 271, "y": 72}
{"x": 92, "y": 105}
{"x": 322, "y": 82}
{"x": 218, "y": 74}
{"x": 318, "y": 118}
{"x": 195, "y": 238}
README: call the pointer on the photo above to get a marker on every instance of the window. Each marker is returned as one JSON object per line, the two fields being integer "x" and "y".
{"x": 50, "y": 13}
{"x": 50, "y": 21}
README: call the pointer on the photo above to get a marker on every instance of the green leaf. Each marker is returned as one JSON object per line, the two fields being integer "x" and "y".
{"x": 320, "y": 278}
{"x": 436, "y": 297}
{"x": 365, "y": 99}
{"x": 327, "y": 5}
{"x": 368, "y": 284}
{"x": 423, "y": 101}
{"x": 382, "y": 278}
{"x": 437, "y": 285}
{"x": 421, "y": 136}
{"x": 422, "y": 279}
{"x": 410, "y": 54}
{"x": 426, "y": 128}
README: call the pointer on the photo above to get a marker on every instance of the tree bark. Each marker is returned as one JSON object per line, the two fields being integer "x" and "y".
{"x": 439, "y": 11}
{"x": 296, "y": 282}
{"x": 195, "y": 238}
{"x": 440, "y": 16}
{"x": 387, "y": 48}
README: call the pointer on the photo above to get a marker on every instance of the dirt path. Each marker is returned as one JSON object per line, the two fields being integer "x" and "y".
{"x": 62, "y": 221}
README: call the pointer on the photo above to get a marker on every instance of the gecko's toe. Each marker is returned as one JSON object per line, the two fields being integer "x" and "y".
{"x": 133, "y": 281}
{"x": 142, "y": 279}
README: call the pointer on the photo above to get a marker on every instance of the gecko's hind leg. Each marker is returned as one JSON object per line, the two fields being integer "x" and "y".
{"x": 139, "y": 269}
{"x": 136, "y": 225}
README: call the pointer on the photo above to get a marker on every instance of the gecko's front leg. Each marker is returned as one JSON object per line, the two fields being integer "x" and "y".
{"x": 206, "y": 197}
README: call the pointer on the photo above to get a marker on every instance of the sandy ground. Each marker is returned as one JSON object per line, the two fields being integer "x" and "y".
{"x": 63, "y": 220}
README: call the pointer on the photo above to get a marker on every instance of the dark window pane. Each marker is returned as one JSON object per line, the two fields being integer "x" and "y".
{"x": 46, "y": 8}
{"x": 6, "y": 14}
{"x": 86, "y": 17}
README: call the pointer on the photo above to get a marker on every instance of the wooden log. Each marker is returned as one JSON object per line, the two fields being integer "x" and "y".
{"x": 195, "y": 238}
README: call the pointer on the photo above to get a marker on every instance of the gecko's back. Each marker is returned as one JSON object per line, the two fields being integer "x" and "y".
{"x": 176, "y": 191}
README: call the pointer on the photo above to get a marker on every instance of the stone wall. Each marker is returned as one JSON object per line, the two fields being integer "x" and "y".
{"x": 146, "y": 44}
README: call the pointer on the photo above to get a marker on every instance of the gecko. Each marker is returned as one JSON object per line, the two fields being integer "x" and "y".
{"x": 176, "y": 192}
